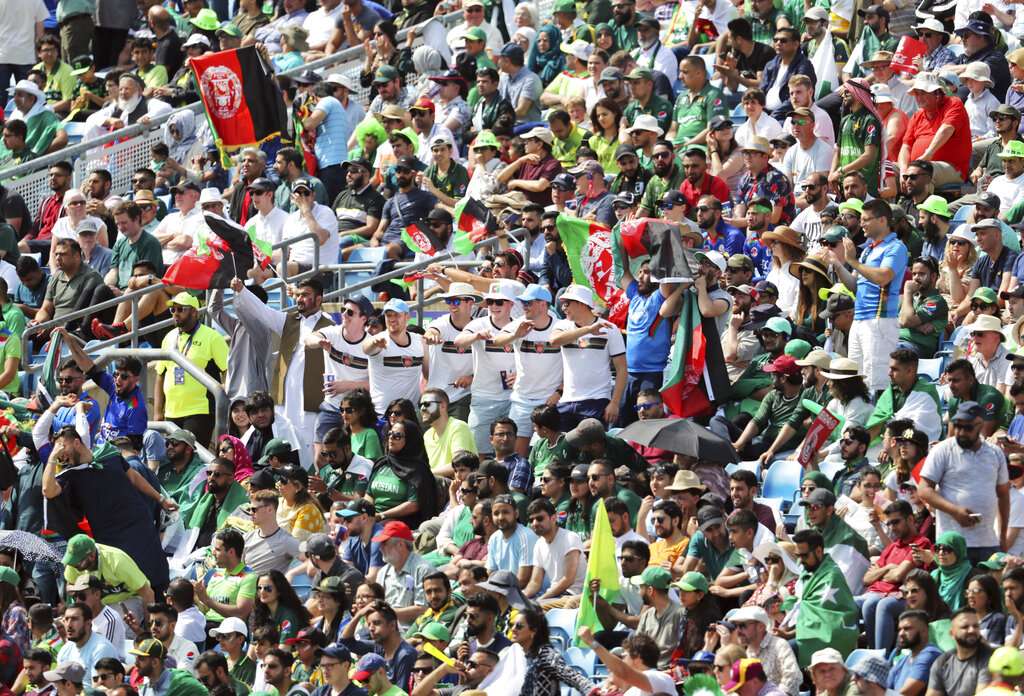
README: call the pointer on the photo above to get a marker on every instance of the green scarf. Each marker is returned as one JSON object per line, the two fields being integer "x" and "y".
{"x": 953, "y": 579}
{"x": 193, "y": 514}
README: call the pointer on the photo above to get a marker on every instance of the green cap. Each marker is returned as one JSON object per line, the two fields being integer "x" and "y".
{"x": 206, "y": 19}
{"x": 996, "y": 561}
{"x": 1014, "y": 148}
{"x": 185, "y": 300}
{"x": 798, "y": 348}
{"x": 407, "y": 133}
{"x": 80, "y": 65}
{"x": 475, "y": 34}
{"x": 434, "y": 631}
{"x": 276, "y": 447}
{"x": 854, "y": 204}
{"x": 331, "y": 585}
{"x": 486, "y": 139}
{"x": 837, "y": 289}
{"x": 229, "y": 29}
{"x": 10, "y": 576}
{"x": 640, "y": 74}
{"x": 385, "y": 73}
{"x": 79, "y": 546}
{"x": 692, "y": 582}
{"x": 565, "y": 6}
{"x": 834, "y": 233}
{"x": 779, "y": 326}
{"x": 653, "y": 576}
{"x": 986, "y": 295}
{"x": 937, "y": 205}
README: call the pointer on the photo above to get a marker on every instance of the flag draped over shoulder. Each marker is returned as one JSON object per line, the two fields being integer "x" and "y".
{"x": 601, "y": 566}
{"x": 824, "y": 62}
{"x": 866, "y": 47}
{"x": 241, "y": 99}
{"x": 226, "y": 254}
{"x": 848, "y": 550}
{"x": 695, "y": 377}
{"x": 588, "y": 251}
{"x": 827, "y": 616}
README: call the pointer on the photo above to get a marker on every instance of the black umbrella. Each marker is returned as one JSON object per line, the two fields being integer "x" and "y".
{"x": 683, "y": 436}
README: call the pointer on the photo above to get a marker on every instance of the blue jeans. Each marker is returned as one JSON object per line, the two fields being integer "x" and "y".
{"x": 880, "y": 613}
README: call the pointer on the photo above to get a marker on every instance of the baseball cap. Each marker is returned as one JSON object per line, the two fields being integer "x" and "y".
{"x": 338, "y": 652}
{"x": 588, "y": 167}
{"x": 743, "y": 671}
{"x": 708, "y": 516}
{"x": 395, "y": 529}
{"x": 821, "y": 496}
{"x": 67, "y": 671}
{"x": 610, "y": 73}
{"x": 816, "y": 358}
{"x": 985, "y": 294}
{"x": 720, "y": 122}
{"x": 543, "y": 134}
{"x": 777, "y": 324}
{"x": 827, "y": 656}
{"x": 589, "y": 430}
{"x": 150, "y": 647}
{"x": 229, "y": 29}
{"x": 838, "y": 302}
{"x": 384, "y": 74}
{"x": 817, "y": 14}
{"x": 874, "y": 10}
{"x": 640, "y": 74}
{"x": 277, "y": 447}
{"x": 79, "y": 546}
{"x": 423, "y": 104}
{"x": 996, "y": 561}
{"x": 318, "y": 545}
{"x": 367, "y": 665}
{"x": 475, "y": 34}
{"x": 396, "y": 305}
{"x": 332, "y": 584}
{"x": 434, "y": 630}
{"x": 512, "y": 50}
{"x": 692, "y": 582}
{"x": 231, "y": 624}
{"x": 180, "y": 188}
{"x": 302, "y": 183}
{"x": 537, "y": 292}
{"x": 579, "y": 473}
{"x": 81, "y": 64}
{"x": 713, "y": 257}
{"x": 968, "y": 410}
{"x": 564, "y": 182}
{"x": 653, "y": 576}
{"x": 784, "y": 364}
{"x": 797, "y": 348}
{"x": 262, "y": 184}
{"x": 740, "y": 261}
{"x": 85, "y": 581}
{"x": 578, "y": 293}
{"x": 359, "y": 506}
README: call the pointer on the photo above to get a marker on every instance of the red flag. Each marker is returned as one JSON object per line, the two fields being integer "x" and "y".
{"x": 242, "y": 101}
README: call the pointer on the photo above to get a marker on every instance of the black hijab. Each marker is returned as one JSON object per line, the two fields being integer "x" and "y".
{"x": 410, "y": 464}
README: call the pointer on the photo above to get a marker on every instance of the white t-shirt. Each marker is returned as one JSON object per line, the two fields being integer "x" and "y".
{"x": 447, "y": 361}
{"x": 493, "y": 366}
{"x": 110, "y": 625}
{"x": 660, "y": 683}
{"x": 1009, "y": 190}
{"x": 395, "y": 372}
{"x": 18, "y": 27}
{"x": 772, "y": 99}
{"x": 10, "y": 275}
{"x": 268, "y": 227}
{"x": 63, "y": 229}
{"x": 586, "y": 364}
{"x": 321, "y": 23}
{"x": 798, "y": 164}
{"x": 302, "y": 252}
{"x": 766, "y": 127}
{"x": 345, "y": 362}
{"x": 538, "y": 363}
{"x": 808, "y": 223}
{"x": 552, "y": 557}
{"x": 177, "y": 224}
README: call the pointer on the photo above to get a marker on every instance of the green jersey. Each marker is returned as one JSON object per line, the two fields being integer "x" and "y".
{"x": 859, "y": 130}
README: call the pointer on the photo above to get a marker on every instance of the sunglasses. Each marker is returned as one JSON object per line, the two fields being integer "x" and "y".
{"x": 266, "y": 588}
{"x": 496, "y": 303}
{"x": 648, "y": 405}
{"x": 942, "y": 548}
{"x": 347, "y": 409}
{"x": 662, "y": 155}
{"x": 909, "y": 177}
{"x": 959, "y": 242}
{"x": 396, "y": 436}
{"x": 428, "y": 404}
{"x": 453, "y": 301}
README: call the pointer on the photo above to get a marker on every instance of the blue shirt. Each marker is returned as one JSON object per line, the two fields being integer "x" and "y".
{"x": 646, "y": 352}
{"x": 332, "y": 134}
{"x": 731, "y": 240}
{"x": 761, "y": 256}
{"x": 513, "y": 553}
{"x": 124, "y": 416}
{"x": 96, "y": 648}
{"x": 66, "y": 416}
{"x": 520, "y": 474}
{"x": 904, "y": 667}
{"x": 360, "y": 556}
{"x": 33, "y": 298}
{"x": 874, "y": 301}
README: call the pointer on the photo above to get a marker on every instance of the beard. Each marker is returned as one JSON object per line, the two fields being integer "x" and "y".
{"x": 931, "y": 232}
{"x": 968, "y": 641}
{"x": 966, "y": 442}
{"x": 128, "y": 105}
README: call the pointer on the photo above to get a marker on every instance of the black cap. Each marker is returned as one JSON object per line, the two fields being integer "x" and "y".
{"x": 1017, "y": 293}
{"x": 408, "y": 162}
{"x": 362, "y": 302}
{"x": 262, "y": 184}
{"x": 579, "y": 472}
{"x": 837, "y": 302}
{"x": 449, "y": 76}
{"x": 306, "y": 77}
{"x": 628, "y": 199}
{"x": 360, "y": 162}
{"x": 672, "y": 197}
{"x": 440, "y": 215}
{"x": 788, "y": 140}
{"x": 262, "y": 480}
{"x": 968, "y": 410}
{"x": 302, "y": 183}
{"x": 179, "y": 188}
{"x": 564, "y": 182}
{"x": 768, "y": 286}
{"x": 648, "y": 21}
{"x": 623, "y": 150}
{"x": 720, "y": 122}
{"x": 293, "y": 472}
{"x": 874, "y": 10}
{"x": 709, "y": 516}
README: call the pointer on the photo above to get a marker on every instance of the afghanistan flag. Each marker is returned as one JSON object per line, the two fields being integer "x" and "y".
{"x": 241, "y": 99}
{"x": 662, "y": 241}
{"x": 588, "y": 250}
{"x": 695, "y": 377}
{"x": 421, "y": 240}
{"x": 473, "y": 218}
{"x": 218, "y": 258}
{"x": 601, "y": 566}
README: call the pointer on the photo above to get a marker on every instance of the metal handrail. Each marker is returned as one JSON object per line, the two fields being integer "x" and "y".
{"x": 153, "y": 123}
{"x": 220, "y": 397}
{"x": 135, "y": 295}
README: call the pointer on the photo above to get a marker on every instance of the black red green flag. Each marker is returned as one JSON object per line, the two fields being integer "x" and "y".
{"x": 663, "y": 243}
{"x": 421, "y": 239}
{"x": 473, "y": 218}
{"x": 220, "y": 257}
{"x": 695, "y": 378}
{"x": 241, "y": 99}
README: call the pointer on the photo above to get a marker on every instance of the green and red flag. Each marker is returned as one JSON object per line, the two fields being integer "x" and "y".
{"x": 473, "y": 218}
{"x": 228, "y": 253}
{"x": 589, "y": 252}
{"x": 242, "y": 101}
{"x": 695, "y": 377}
{"x": 422, "y": 240}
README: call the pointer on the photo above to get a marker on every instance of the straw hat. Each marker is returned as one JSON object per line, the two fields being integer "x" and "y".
{"x": 784, "y": 235}
{"x": 812, "y": 264}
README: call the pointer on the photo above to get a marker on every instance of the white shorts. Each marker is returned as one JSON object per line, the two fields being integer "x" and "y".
{"x": 871, "y": 342}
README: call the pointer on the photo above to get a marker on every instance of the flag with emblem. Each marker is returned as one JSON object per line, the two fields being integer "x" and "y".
{"x": 588, "y": 250}
{"x": 422, "y": 240}
{"x": 242, "y": 101}
{"x": 227, "y": 253}
{"x": 601, "y": 566}
{"x": 826, "y": 613}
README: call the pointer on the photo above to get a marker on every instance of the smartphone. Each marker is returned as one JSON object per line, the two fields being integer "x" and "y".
{"x": 975, "y": 515}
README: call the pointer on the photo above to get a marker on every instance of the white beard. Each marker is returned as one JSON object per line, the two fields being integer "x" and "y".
{"x": 128, "y": 106}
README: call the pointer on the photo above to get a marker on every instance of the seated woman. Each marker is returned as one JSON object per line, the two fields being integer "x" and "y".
{"x": 299, "y": 513}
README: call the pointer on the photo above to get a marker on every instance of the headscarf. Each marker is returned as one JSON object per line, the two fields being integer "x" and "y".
{"x": 953, "y": 579}
{"x": 819, "y": 479}
{"x": 37, "y": 107}
{"x": 428, "y": 63}
{"x": 551, "y": 62}
{"x": 410, "y": 465}
{"x": 243, "y": 460}
{"x": 528, "y": 33}
{"x": 180, "y": 147}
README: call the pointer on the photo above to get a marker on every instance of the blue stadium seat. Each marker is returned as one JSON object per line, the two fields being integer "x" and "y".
{"x": 832, "y": 468}
{"x": 782, "y": 479}
{"x": 366, "y": 255}
{"x": 562, "y": 623}
{"x": 930, "y": 368}
{"x": 581, "y": 659}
